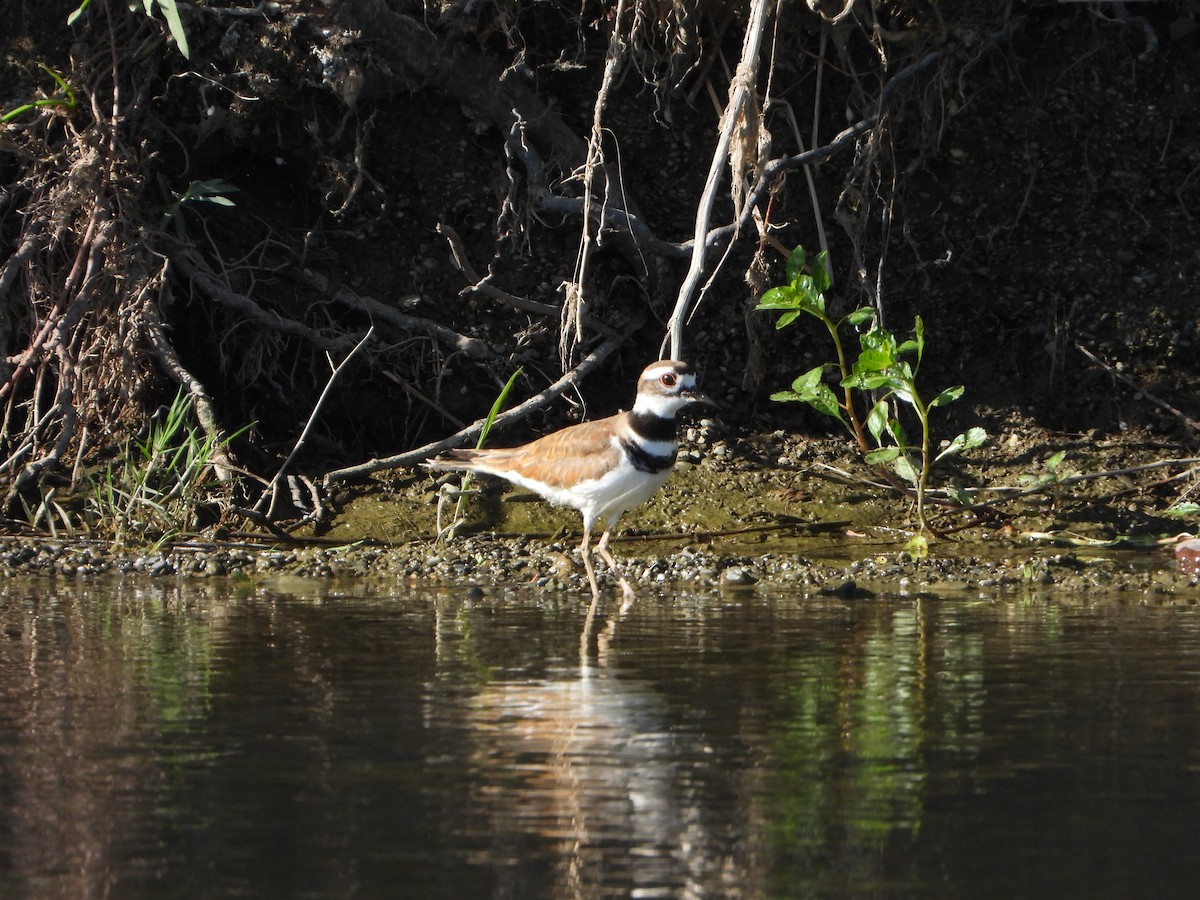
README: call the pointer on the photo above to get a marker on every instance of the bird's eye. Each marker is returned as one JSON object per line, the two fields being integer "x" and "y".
{"x": 668, "y": 380}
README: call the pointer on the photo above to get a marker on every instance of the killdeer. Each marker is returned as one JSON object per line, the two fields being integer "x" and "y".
{"x": 600, "y": 468}
{"x": 1187, "y": 551}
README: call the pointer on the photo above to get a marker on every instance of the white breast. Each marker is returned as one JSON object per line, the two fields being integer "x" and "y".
{"x": 621, "y": 489}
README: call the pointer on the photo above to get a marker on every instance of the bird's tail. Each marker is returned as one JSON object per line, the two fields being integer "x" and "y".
{"x": 453, "y": 460}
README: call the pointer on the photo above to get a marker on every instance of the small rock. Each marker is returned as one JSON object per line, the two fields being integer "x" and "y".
{"x": 738, "y": 576}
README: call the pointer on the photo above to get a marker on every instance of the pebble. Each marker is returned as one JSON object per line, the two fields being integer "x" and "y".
{"x": 738, "y": 576}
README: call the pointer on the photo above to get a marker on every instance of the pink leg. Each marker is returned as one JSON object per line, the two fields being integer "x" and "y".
{"x": 586, "y": 553}
{"x": 602, "y": 549}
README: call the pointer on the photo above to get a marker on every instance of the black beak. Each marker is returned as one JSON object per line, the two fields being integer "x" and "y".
{"x": 696, "y": 398}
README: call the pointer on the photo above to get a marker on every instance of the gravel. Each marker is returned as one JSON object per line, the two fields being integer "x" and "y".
{"x": 482, "y": 562}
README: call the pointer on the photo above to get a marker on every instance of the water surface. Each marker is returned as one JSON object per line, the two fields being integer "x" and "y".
{"x": 199, "y": 740}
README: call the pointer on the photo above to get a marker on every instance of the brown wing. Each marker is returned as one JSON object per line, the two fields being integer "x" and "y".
{"x": 575, "y": 453}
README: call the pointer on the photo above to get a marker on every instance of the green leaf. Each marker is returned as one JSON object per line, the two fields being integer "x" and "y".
{"x": 877, "y": 420}
{"x": 968, "y": 440}
{"x": 79, "y": 11}
{"x": 1182, "y": 510}
{"x": 896, "y": 430}
{"x": 811, "y": 388}
{"x": 782, "y": 297}
{"x": 825, "y": 401}
{"x": 795, "y": 263}
{"x": 214, "y": 186}
{"x": 497, "y": 405}
{"x": 788, "y": 318}
{"x": 807, "y": 383}
{"x": 873, "y": 360}
{"x": 865, "y": 381}
{"x": 903, "y": 466}
{"x": 860, "y": 315}
{"x": 786, "y": 396}
{"x": 917, "y": 546}
{"x": 814, "y": 304}
{"x": 171, "y": 14}
{"x": 879, "y": 339}
{"x": 882, "y": 455}
{"x": 949, "y": 395}
{"x": 821, "y": 279}
{"x": 962, "y": 495}
{"x": 976, "y": 437}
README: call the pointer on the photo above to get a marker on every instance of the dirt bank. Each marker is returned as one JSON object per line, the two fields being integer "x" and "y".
{"x": 1021, "y": 176}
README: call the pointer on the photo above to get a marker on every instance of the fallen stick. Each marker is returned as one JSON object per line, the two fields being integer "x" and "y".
{"x": 471, "y": 432}
{"x": 1191, "y": 424}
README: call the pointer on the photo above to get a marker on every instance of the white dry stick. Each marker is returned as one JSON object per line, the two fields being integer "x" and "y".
{"x": 740, "y": 93}
{"x": 272, "y": 489}
{"x": 571, "y": 329}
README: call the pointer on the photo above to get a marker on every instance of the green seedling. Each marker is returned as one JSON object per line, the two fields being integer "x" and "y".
{"x": 884, "y": 376}
{"x": 1183, "y": 510}
{"x": 464, "y": 486}
{"x": 151, "y": 493}
{"x": 64, "y": 102}
{"x": 1054, "y": 474}
{"x": 212, "y": 190}
{"x": 170, "y": 12}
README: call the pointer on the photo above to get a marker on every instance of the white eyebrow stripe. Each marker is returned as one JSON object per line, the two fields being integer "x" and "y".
{"x": 658, "y": 372}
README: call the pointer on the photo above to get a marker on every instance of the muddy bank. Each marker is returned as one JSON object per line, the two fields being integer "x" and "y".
{"x": 758, "y": 512}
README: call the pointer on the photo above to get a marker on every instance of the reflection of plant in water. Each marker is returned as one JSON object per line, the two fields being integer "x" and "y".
{"x": 854, "y": 756}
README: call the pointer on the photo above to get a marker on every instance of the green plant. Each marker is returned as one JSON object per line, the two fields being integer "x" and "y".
{"x": 884, "y": 374}
{"x": 1183, "y": 510}
{"x": 152, "y": 492}
{"x": 464, "y": 484}
{"x": 212, "y": 190}
{"x": 66, "y": 102}
{"x": 170, "y": 12}
{"x": 1054, "y": 474}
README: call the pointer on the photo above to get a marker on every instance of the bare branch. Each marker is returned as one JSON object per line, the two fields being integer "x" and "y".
{"x": 412, "y": 457}
{"x": 740, "y": 97}
{"x": 171, "y": 363}
{"x": 1188, "y": 422}
{"x": 482, "y": 285}
{"x": 271, "y": 488}
{"x": 381, "y": 312}
{"x": 251, "y": 310}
